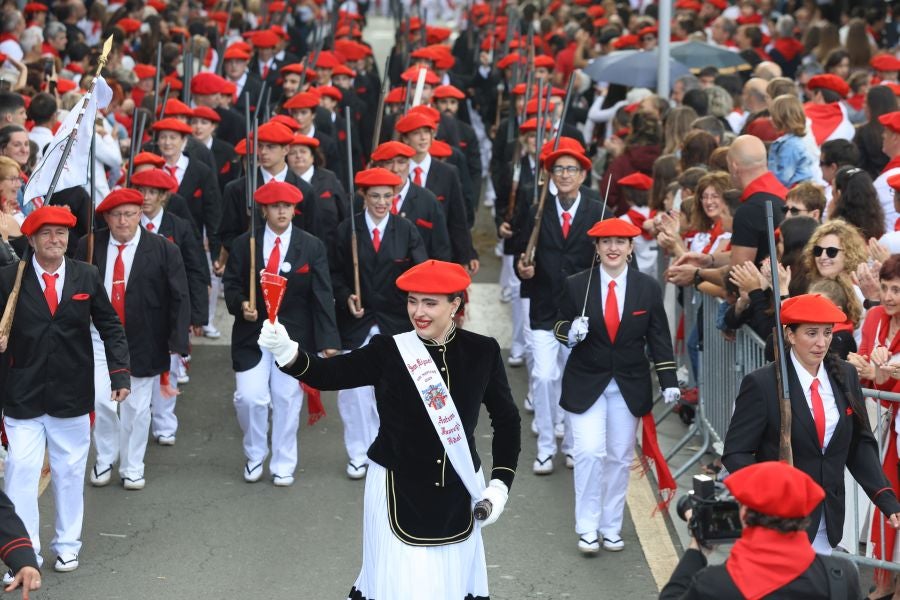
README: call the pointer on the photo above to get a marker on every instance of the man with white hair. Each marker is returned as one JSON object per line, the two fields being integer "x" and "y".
{"x": 13, "y": 26}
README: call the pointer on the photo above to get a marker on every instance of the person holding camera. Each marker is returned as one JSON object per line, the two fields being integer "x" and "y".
{"x": 773, "y": 557}
{"x": 829, "y": 428}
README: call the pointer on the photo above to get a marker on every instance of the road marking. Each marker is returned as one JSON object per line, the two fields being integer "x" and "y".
{"x": 656, "y": 542}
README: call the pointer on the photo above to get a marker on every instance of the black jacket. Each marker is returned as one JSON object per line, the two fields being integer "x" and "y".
{"x": 753, "y": 437}
{"x": 227, "y": 161}
{"x": 443, "y": 182}
{"x": 428, "y": 500}
{"x": 307, "y": 309}
{"x": 596, "y": 360}
{"x": 157, "y": 301}
{"x": 50, "y": 359}
{"x": 384, "y": 304}
{"x": 178, "y": 231}
{"x": 421, "y": 208}
{"x": 199, "y": 188}
{"x": 231, "y": 128}
{"x": 332, "y": 204}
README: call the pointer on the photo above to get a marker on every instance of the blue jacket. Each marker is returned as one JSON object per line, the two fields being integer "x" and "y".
{"x": 790, "y": 161}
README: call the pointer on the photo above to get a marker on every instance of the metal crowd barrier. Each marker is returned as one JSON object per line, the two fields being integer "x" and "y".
{"x": 722, "y": 366}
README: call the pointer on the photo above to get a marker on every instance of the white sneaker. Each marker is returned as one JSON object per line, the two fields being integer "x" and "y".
{"x": 211, "y": 332}
{"x": 613, "y": 545}
{"x": 279, "y": 481}
{"x": 559, "y": 430}
{"x": 515, "y": 361}
{"x": 252, "y": 473}
{"x": 529, "y": 404}
{"x": 66, "y": 563}
{"x": 133, "y": 484}
{"x": 506, "y": 295}
{"x": 357, "y": 471}
{"x": 99, "y": 478}
{"x": 543, "y": 466}
{"x": 8, "y": 578}
{"x": 588, "y": 547}
{"x": 534, "y": 428}
{"x": 166, "y": 440}
{"x": 183, "y": 379}
{"x": 570, "y": 461}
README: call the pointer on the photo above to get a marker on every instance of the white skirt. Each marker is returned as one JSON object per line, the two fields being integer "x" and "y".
{"x": 392, "y": 570}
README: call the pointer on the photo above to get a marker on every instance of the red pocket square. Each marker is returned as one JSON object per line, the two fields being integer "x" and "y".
{"x": 325, "y": 194}
{"x": 304, "y": 268}
{"x": 638, "y": 313}
{"x": 424, "y": 223}
{"x": 225, "y": 168}
{"x": 849, "y": 411}
{"x": 441, "y": 198}
{"x": 463, "y": 145}
{"x": 198, "y": 193}
{"x": 81, "y": 297}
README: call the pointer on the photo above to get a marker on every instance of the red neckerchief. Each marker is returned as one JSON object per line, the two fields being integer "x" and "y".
{"x": 714, "y": 234}
{"x": 638, "y": 218}
{"x": 764, "y": 560}
{"x": 845, "y": 326}
{"x": 897, "y": 224}
{"x": 875, "y": 35}
{"x": 894, "y": 163}
{"x": 788, "y": 47}
{"x": 5, "y": 37}
{"x": 762, "y": 54}
{"x": 767, "y": 183}
{"x": 824, "y": 118}
{"x": 48, "y": 49}
{"x": 856, "y": 101}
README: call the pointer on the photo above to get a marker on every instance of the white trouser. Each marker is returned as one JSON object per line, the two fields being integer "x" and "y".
{"x": 518, "y": 305}
{"x": 820, "y": 543}
{"x": 121, "y": 428}
{"x": 360, "y": 416}
{"x": 163, "y": 419}
{"x": 215, "y": 288}
{"x": 548, "y": 361}
{"x": 604, "y": 438}
{"x": 258, "y": 389}
{"x": 68, "y": 441}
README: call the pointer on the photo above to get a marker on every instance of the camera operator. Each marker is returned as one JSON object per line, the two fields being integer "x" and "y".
{"x": 773, "y": 557}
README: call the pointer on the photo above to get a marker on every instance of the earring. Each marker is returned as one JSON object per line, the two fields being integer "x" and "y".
{"x": 630, "y": 257}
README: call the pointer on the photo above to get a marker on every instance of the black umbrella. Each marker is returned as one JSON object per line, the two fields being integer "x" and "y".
{"x": 697, "y": 55}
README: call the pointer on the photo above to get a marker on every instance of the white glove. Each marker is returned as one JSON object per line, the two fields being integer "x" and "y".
{"x": 274, "y": 338}
{"x": 671, "y": 395}
{"x": 578, "y": 331}
{"x": 497, "y": 493}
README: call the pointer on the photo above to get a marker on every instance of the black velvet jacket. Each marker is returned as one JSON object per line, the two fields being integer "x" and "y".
{"x": 430, "y": 504}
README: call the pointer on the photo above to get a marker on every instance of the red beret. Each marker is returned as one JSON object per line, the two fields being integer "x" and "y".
{"x": 128, "y": 25}
{"x": 411, "y": 122}
{"x": 392, "y": 149}
{"x": 326, "y": 60}
{"x": 173, "y": 82}
{"x": 596, "y": 11}
{"x": 65, "y": 85}
{"x": 343, "y": 70}
{"x": 583, "y": 160}
{"x": 299, "y": 69}
{"x": 429, "y": 111}
{"x": 764, "y": 129}
{"x": 241, "y": 147}
{"x": 434, "y": 277}
{"x": 448, "y": 91}
{"x": 33, "y": 7}
{"x": 885, "y": 62}
{"x": 176, "y": 108}
{"x": 544, "y": 61}
{"x": 894, "y": 182}
{"x": 396, "y": 96}
{"x": 155, "y": 178}
{"x": 829, "y": 82}
{"x": 235, "y": 53}
{"x": 424, "y": 53}
{"x": 532, "y": 107}
{"x": 352, "y": 51}
{"x": 175, "y": 125}
{"x": 651, "y": 30}
{"x": 48, "y": 215}
{"x": 330, "y": 91}
{"x": 891, "y": 120}
{"x": 508, "y": 60}
{"x": 375, "y": 177}
{"x": 206, "y": 83}
{"x": 278, "y": 29}
{"x": 287, "y": 121}
{"x": 275, "y": 133}
{"x": 775, "y": 489}
{"x": 440, "y": 149}
{"x": 614, "y": 227}
{"x": 205, "y": 112}
{"x": 810, "y": 308}
{"x": 412, "y": 74}
{"x": 278, "y": 191}
{"x": 304, "y": 140}
{"x": 626, "y": 41}
{"x": 637, "y": 180}
{"x": 565, "y": 142}
{"x": 531, "y": 125}
{"x": 302, "y": 100}
{"x": 688, "y": 5}
{"x": 118, "y": 198}
{"x": 720, "y": 4}
{"x": 144, "y": 71}
{"x": 434, "y": 35}
{"x": 265, "y": 39}
{"x": 148, "y": 158}
{"x": 520, "y": 89}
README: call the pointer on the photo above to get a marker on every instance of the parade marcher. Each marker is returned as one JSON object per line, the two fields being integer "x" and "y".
{"x": 419, "y": 538}
{"x": 332, "y": 204}
{"x": 563, "y": 249}
{"x": 49, "y": 406}
{"x": 773, "y": 557}
{"x": 415, "y": 203}
{"x": 206, "y": 124}
{"x": 829, "y": 428}
{"x": 303, "y": 107}
{"x": 307, "y": 310}
{"x": 248, "y": 84}
{"x": 145, "y": 278}
{"x": 387, "y": 247}
{"x": 606, "y": 383}
{"x": 155, "y": 186}
{"x": 206, "y": 89}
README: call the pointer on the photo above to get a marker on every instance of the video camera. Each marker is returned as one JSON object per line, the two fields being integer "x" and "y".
{"x": 715, "y": 515}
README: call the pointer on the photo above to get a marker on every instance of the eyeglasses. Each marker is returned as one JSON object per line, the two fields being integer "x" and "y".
{"x": 569, "y": 170}
{"x": 830, "y": 252}
{"x": 124, "y": 214}
{"x": 794, "y": 211}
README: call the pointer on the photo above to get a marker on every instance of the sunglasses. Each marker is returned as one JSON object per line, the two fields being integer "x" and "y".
{"x": 830, "y": 252}
{"x": 793, "y": 210}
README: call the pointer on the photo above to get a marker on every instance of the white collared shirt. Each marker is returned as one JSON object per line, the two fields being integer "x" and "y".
{"x": 280, "y": 176}
{"x": 307, "y": 177}
{"x": 381, "y": 227}
{"x": 825, "y": 391}
{"x": 60, "y": 280}
{"x": 239, "y": 85}
{"x": 425, "y": 165}
{"x": 112, "y": 252}
{"x": 269, "y": 245}
{"x": 157, "y": 221}
{"x": 571, "y": 211}
{"x": 180, "y": 165}
{"x": 263, "y": 64}
{"x": 402, "y": 194}
{"x": 621, "y": 280}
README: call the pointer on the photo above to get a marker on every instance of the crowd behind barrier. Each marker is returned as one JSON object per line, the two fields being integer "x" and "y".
{"x": 723, "y": 362}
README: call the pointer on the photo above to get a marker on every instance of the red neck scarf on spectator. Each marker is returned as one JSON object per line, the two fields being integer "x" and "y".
{"x": 714, "y": 234}
{"x": 766, "y": 182}
{"x": 894, "y": 163}
{"x": 788, "y": 47}
{"x": 5, "y": 37}
{"x": 764, "y": 560}
{"x": 856, "y": 101}
{"x": 638, "y": 218}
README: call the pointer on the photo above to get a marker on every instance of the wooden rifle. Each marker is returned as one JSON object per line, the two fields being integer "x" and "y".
{"x": 785, "y": 451}
{"x": 354, "y": 245}
{"x": 382, "y": 97}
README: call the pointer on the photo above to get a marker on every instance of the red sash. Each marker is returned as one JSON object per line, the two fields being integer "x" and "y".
{"x": 764, "y": 560}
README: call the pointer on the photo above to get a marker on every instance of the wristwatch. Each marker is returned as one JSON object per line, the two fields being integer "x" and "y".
{"x": 697, "y": 279}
